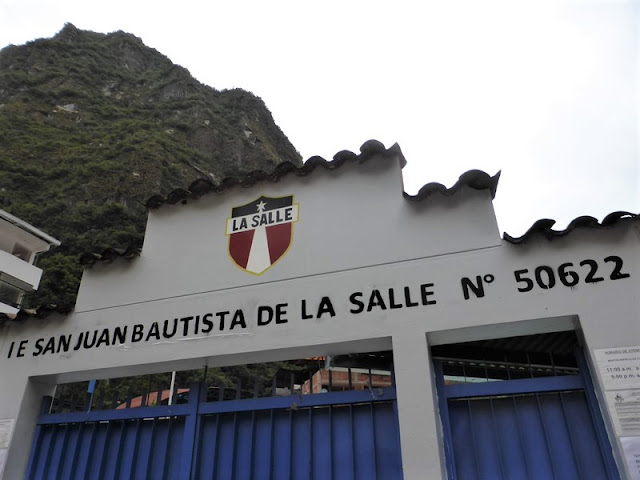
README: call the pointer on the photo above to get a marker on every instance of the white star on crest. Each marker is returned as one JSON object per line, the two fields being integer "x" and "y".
{"x": 261, "y": 206}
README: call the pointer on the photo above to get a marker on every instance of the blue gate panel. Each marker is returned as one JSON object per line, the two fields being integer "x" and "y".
{"x": 584, "y": 438}
{"x": 364, "y": 442}
{"x": 534, "y": 438}
{"x": 262, "y": 445}
{"x": 332, "y": 442}
{"x": 123, "y": 449}
{"x": 281, "y": 441}
{"x": 559, "y": 438}
{"x": 506, "y": 426}
{"x": 321, "y": 438}
{"x": 389, "y": 463}
{"x": 520, "y": 437}
{"x": 244, "y": 446}
{"x": 300, "y": 451}
{"x": 343, "y": 458}
{"x": 332, "y": 436}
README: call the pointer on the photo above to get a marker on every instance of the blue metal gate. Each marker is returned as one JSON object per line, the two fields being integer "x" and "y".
{"x": 524, "y": 428}
{"x": 337, "y": 435}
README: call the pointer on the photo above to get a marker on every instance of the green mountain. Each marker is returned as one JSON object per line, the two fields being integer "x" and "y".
{"x": 91, "y": 125}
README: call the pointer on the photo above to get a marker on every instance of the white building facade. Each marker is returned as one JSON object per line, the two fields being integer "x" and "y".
{"x": 20, "y": 243}
{"x": 334, "y": 259}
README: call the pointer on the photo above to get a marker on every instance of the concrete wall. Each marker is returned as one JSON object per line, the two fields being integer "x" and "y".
{"x": 349, "y": 218}
{"x": 356, "y": 234}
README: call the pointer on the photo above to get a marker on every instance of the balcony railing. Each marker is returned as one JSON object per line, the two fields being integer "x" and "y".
{"x": 19, "y": 273}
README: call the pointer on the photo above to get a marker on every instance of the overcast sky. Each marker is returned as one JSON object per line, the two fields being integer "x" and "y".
{"x": 547, "y": 92}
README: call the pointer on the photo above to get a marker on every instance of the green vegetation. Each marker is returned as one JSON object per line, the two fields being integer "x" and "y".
{"x": 92, "y": 125}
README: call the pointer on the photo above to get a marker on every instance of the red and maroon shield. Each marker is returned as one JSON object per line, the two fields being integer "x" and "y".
{"x": 260, "y": 232}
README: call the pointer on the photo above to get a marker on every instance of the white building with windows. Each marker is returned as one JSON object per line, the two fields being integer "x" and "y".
{"x": 20, "y": 243}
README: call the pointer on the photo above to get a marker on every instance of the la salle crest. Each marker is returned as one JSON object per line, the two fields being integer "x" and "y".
{"x": 260, "y": 232}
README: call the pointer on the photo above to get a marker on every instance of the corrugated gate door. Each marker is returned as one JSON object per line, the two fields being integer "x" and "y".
{"x": 547, "y": 435}
{"x": 337, "y": 435}
{"x": 521, "y": 420}
{"x": 348, "y": 441}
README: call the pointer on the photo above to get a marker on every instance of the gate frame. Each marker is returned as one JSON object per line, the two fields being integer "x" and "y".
{"x": 582, "y": 381}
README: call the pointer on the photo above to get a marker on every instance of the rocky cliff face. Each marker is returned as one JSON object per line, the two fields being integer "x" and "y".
{"x": 91, "y": 125}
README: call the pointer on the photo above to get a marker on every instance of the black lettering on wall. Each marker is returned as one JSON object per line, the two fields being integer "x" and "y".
{"x": 221, "y": 316}
{"x": 104, "y": 338}
{"x": 87, "y": 344}
{"x": 154, "y": 331}
{"x": 303, "y": 308}
{"x": 79, "y": 342}
{"x": 375, "y": 300}
{"x": 265, "y": 315}
{"x": 354, "y": 299}
{"x": 165, "y": 328}
{"x": 617, "y": 273}
{"x": 407, "y": 298}
{"x": 119, "y": 335}
{"x": 567, "y": 277}
{"x": 545, "y": 276}
{"x": 520, "y": 278}
{"x": 425, "y": 293}
{"x": 50, "y": 347}
{"x": 137, "y": 334}
{"x": 392, "y": 300}
{"x": 326, "y": 307}
{"x": 593, "y": 268}
{"x": 64, "y": 342}
{"x": 238, "y": 319}
{"x": 546, "y": 281}
{"x": 281, "y": 312}
{"x": 38, "y": 347}
{"x": 185, "y": 324}
{"x": 477, "y": 288}
{"x": 208, "y": 323}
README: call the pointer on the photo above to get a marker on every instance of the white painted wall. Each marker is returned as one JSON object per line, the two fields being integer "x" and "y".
{"x": 351, "y": 217}
{"x": 356, "y": 233}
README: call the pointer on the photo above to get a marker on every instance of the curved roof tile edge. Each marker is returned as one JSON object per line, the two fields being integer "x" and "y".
{"x": 476, "y": 179}
{"x": 108, "y": 255}
{"x": 40, "y": 312}
{"x": 203, "y": 186}
{"x": 543, "y": 226}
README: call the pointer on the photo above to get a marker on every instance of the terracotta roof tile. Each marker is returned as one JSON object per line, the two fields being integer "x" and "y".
{"x": 40, "y": 312}
{"x": 543, "y": 227}
{"x": 476, "y": 179}
{"x": 203, "y": 186}
{"x": 108, "y": 255}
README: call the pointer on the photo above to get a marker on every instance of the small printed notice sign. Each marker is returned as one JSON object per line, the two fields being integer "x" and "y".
{"x": 620, "y": 372}
{"x": 624, "y": 406}
{"x": 6, "y": 429}
{"x": 619, "y": 367}
{"x": 3, "y": 459}
{"x": 631, "y": 448}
